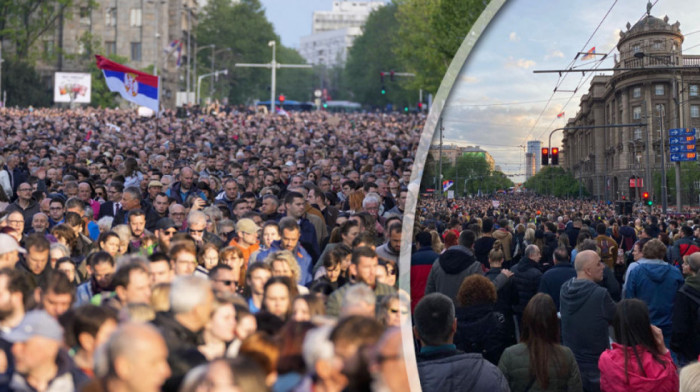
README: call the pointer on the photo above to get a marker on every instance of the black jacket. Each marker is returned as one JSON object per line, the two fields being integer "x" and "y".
{"x": 182, "y": 343}
{"x": 482, "y": 329}
{"x": 527, "y": 277}
{"x": 685, "y": 336}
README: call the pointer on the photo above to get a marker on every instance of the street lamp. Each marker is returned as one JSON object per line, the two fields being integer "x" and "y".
{"x": 214, "y": 52}
{"x": 215, "y": 74}
{"x": 196, "y": 50}
{"x": 273, "y": 44}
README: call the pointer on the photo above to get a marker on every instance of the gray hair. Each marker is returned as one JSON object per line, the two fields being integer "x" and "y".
{"x": 105, "y": 223}
{"x": 531, "y": 250}
{"x": 195, "y": 217}
{"x": 134, "y": 192}
{"x": 358, "y": 295}
{"x": 188, "y": 292}
{"x": 371, "y": 197}
{"x": 61, "y": 247}
{"x": 317, "y": 346}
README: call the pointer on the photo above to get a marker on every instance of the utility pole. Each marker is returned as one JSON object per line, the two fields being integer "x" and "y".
{"x": 664, "y": 189}
{"x": 439, "y": 187}
{"x": 273, "y": 65}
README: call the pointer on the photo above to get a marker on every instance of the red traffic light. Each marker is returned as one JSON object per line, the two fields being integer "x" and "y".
{"x": 645, "y": 195}
{"x": 545, "y": 156}
{"x": 555, "y": 156}
{"x": 555, "y": 151}
{"x": 282, "y": 98}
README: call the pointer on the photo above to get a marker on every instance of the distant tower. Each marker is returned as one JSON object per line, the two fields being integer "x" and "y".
{"x": 534, "y": 147}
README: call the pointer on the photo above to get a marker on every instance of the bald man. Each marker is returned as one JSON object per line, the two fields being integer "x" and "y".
{"x": 134, "y": 359}
{"x": 586, "y": 312}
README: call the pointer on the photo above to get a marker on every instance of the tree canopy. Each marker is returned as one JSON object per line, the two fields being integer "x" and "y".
{"x": 554, "y": 180}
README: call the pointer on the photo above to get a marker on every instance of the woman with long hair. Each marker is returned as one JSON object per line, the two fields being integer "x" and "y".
{"x": 539, "y": 362}
{"x": 639, "y": 359}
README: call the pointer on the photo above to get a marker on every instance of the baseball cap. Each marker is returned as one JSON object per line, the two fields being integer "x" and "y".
{"x": 155, "y": 183}
{"x": 165, "y": 224}
{"x": 246, "y": 225}
{"x": 36, "y": 323}
{"x": 8, "y": 244}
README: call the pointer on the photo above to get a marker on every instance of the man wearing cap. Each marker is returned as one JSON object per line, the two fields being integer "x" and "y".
{"x": 11, "y": 251}
{"x": 154, "y": 188}
{"x": 39, "y": 362}
{"x": 247, "y": 239}
{"x": 165, "y": 230}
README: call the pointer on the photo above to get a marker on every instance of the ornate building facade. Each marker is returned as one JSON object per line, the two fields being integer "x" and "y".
{"x": 653, "y": 85}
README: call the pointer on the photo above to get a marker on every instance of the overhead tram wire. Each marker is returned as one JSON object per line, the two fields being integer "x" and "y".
{"x": 563, "y": 77}
{"x": 585, "y": 79}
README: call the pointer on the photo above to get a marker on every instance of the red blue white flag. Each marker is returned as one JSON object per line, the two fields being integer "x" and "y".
{"x": 134, "y": 86}
{"x": 589, "y": 55}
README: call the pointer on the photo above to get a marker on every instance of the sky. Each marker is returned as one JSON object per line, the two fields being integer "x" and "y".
{"x": 498, "y": 102}
{"x": 292, "y": 18}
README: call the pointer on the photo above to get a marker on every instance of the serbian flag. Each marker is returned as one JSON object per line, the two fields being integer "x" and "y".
{"x": 134, "y": 86}
{"x": 560, "y": 115}
{"x": 589, "y": 55}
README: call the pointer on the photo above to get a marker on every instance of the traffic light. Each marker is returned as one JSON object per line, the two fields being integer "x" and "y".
{"x": 282, "y": 99}
{"x": 391, "y": 75}
{"x": 646, "y": 199}
{"x": 555, "y": 156}
{"x": 381, "y": 77}
{"x": 405, "y": 109}
{"x": 420, "y": 106}
{"x": 383, "y": 90}
{"x": 545, "y": 156}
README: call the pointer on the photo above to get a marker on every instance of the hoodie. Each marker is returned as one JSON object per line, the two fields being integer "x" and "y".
{"x": 657, "y": 377}
{"x": 655, "y": 282}
{"x": 450, "y": 269}
{"x": 586, "y": 312}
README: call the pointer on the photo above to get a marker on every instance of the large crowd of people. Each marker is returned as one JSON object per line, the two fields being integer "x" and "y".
{"x": 201, "y": 251}
{"x": 531, "y": 292}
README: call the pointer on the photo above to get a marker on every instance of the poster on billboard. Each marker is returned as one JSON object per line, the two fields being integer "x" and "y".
{"x": 72, "y": 87}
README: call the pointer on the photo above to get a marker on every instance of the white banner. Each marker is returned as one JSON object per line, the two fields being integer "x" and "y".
{"x": 72, "y": 87}
{"x": 495, "y": 203}
{"x": 450, "y": 194}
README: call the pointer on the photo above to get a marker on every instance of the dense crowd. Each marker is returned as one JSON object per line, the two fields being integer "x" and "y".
{"x": 535, "y": 293}
{"x": 198, "y": 251}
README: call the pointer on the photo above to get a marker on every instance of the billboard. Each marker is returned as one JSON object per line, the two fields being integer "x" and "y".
{"x": 72, "y": 87}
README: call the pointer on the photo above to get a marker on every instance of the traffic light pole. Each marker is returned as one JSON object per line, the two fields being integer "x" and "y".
{"x": 579, "y": 127}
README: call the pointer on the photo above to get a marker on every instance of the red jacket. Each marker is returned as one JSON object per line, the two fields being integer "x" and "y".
{"x": 659, "y": 377}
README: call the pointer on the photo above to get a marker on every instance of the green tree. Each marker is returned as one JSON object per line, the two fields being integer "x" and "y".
{"x": 430, "y": 33}
{"x": 23, "y": 84}
{"x": 24, "y": 22}
{"x": 370, "y": 54}
{"x": 244, "y": 28}
{"x": 554, "y": 180}
{"x": 470, "y": 170}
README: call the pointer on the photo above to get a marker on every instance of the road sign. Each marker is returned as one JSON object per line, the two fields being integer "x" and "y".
{"x": 682, "y": 148}
{"x": 684, "y": 156}
{"x": 681, "y": 139}
{"x": 681, "y": 132}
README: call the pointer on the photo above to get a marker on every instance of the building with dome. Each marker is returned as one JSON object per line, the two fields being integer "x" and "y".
{"x": 652, "y": 83}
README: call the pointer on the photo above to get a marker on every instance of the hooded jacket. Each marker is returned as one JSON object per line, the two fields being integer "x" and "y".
{"x": 657, "y": 377}
{"x": 452, "y": 370}
{"x": 685, "y": 336}
{"x": 656, "y": 283}
{"x": 506, "y": 239}
{"x": 586, "y": 312}
{"x": 450, "y": 269}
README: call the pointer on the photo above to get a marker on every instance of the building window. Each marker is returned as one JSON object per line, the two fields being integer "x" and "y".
{"x": 48, "y": 48}
{"x": 85, "y": 15}
{"x": 636, "y": 92}
{"x": 695, "y": 111}
{"x": 638, "y": 134}
{"x": 657, "y": 45}
{"x": 110, "y": 48}
{"x": 659, "y": 89}
{"x": 136, "y": 17}
{"x": 693, "y": 90}
{"x": 637, "y": 112}
{"x": 136, "y": 51}
{"x": 636, "y": 49}
{"x": 111, "y": 17}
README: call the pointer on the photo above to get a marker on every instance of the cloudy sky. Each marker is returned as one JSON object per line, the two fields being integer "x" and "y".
{"x": 500, "y": 104}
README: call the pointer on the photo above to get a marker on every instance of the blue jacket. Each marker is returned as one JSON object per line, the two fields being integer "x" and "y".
{"x": 300, "y": 254}
{"x": 656, "y": 283}
{"x": 554, "y": 278}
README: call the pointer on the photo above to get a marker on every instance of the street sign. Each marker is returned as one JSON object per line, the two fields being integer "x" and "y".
{"x": 681, "y": 132}
{"x": 682, "y": 148}
{"x": 681, "y": 139}
{"x": 684, "y": 156}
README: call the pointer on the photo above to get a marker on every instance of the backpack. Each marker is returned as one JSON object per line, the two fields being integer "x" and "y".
{"x": 686, "y": 249}
{"x": 608, "y": 250}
